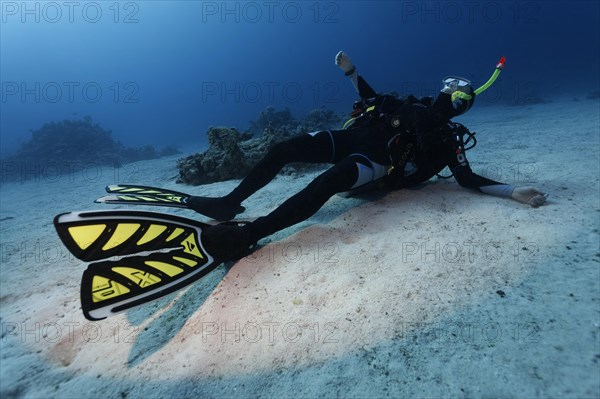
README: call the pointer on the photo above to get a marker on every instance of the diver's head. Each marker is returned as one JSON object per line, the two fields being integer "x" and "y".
{"x": 456, "y": 97}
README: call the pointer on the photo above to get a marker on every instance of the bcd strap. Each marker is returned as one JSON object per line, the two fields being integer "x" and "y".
{"x": 460, "y": 130}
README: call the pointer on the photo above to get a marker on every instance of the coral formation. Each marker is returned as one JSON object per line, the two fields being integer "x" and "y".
{"x": 232, "y": 154}
{"x": 74, "y": 144}
{"x": 271, "y": 118}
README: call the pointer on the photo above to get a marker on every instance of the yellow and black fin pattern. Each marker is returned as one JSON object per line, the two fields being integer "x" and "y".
{"x": 143, "y": 195}
{"x": 137, "y": 256}
{"x": 136, "y": 199}
{"x": 143, "y": 190}
{"x": 100, "y": 235}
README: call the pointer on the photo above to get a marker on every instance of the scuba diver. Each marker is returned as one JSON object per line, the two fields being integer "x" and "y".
{"x": 390, "y": 143}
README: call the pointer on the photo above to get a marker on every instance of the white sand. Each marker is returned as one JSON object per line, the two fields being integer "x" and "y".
{"x": 392, "y": 296}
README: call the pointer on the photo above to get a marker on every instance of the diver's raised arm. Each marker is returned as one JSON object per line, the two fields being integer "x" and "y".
{"x": 362, "y": 87}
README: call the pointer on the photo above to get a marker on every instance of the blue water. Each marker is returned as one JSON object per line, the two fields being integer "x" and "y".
{"x": 157, "y": 72}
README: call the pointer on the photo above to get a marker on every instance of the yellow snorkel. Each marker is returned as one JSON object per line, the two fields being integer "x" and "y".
{"x": 492, "y": 79}
{"x": 462, "y": 93}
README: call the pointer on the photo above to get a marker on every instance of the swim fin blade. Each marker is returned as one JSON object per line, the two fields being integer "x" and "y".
{"x": 146, "y": 195}
{"x": 135, "y": 257}
{"x": 143, "y": 195}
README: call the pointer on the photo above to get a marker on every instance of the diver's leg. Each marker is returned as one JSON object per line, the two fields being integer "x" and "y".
{"x": 352, "y": 172}
{"x": 310, "y": 148}
{"x": 307, "y": 202}
{"x": 226, "y": 241}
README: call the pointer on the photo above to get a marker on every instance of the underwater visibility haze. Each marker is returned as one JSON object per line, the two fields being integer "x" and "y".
{"x": 161, "y": 73}
{"x": 434, "y": 290}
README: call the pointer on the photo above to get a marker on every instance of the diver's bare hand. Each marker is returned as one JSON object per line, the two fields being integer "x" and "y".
{"x": 529, "y": 195}
{"x": 344, "y": 62}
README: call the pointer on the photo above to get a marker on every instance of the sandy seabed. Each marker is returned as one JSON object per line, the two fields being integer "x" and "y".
{"x": 430, "y": 292}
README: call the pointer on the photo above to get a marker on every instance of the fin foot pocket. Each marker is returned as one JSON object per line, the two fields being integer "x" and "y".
{"x": 215, "y": 208}
{"x": 228, "y": 241}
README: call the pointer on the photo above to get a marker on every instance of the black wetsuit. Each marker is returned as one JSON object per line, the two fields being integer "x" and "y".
{"x": 360, "y": 155}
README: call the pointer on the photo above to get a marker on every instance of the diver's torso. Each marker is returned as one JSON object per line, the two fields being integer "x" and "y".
{"x": 408, "y": 135}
